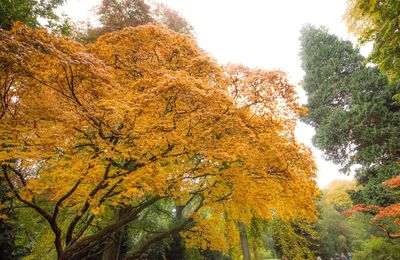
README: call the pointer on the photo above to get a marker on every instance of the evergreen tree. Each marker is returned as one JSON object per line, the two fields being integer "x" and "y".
{"x": 350, "y": 105}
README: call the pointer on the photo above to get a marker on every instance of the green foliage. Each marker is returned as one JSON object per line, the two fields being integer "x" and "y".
{"x": 8, "y": 248}
{"x": 361, "y": 230}
{"x": 34, "y": 234}
{"x": 334, "y": 231}
{"x": 31, "y": 12}
{"x": 350, "y": 105}
{"x": 294, "y": 240}
{"x": 378, "y": 21}
{"x": 378, "y": 249}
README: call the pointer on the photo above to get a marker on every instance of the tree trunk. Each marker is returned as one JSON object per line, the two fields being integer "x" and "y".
{"x": 112, "y": 250}
{"x": 176, "y": 249}
{"x": 244, "y": 241}
{"x": 255, "y": 252}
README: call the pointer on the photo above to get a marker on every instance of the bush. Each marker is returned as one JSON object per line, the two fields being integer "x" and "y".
{"x": 377, "y": 249}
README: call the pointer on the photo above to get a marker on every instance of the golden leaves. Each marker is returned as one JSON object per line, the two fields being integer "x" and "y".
{"x": 144, "y": 112}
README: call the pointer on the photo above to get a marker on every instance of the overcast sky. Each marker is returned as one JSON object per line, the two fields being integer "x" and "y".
{"x": 255, "y": 33}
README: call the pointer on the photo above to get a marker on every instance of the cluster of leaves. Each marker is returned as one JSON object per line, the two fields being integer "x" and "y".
{"x": 388, "y": 218}
{"x": 139, "y": 117}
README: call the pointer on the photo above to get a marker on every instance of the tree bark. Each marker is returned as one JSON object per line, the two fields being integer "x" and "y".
{"x": 112, "y": 250}
{"x": 244, "y": 241}
{"x": 97, "y": 241}
{"x": 255, "y": 252}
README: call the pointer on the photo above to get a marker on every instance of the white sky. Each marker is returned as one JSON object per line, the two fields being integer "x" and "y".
{"x": 255, "y": 33}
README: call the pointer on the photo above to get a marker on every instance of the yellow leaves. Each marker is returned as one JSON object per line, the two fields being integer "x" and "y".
{"x": 26, "y": 195}
{"x": 3, "y": 216}
{"x": 97, "y": 210}
{"x": 337, "y": 193}
{"x": 144, "y": 112}
{"x": 214, "y": 232}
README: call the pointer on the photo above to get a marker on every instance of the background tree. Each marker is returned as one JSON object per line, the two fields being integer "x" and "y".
{"x": 378, "y": 248}
{"x": 350, "y": 105}
{"x": 115, "y": 15}
{"x": 172, "y": 19}
{"x": 140, "y": 117}
{"x": 388, "y": 217}
{"x": 333, "y": 228}
{"x": 377, "y": 22}
{"x": 356, "y": 124}
{"x": 31, "y": 11}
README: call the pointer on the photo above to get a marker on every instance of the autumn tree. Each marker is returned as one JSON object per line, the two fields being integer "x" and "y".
{"x": 350, "y": 105}
{"x": 337, "y": 194}
{"x": 386, "y": 218}
{"x": 35, "y": 14}
{"x": 140, "y": 117}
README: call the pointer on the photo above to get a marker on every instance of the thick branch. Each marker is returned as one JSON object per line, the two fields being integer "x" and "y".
{"x": 159, "y": 237}
{"x": 75, "y": 250}
{"x": 63, "y": 198}
{"x": 86, "y": 205}
{"x": 388, "y": 233}
{"x": 56, "y": 230}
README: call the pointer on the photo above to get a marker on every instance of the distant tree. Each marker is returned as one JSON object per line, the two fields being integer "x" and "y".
{"x": 337, "y": 194}
{"x": 115, "y": 15}
{"x": 30, "y": 12}
{"x": 378, "y": 22}
{"x": 172, "y": 19}
{"x": 332, "y": 226}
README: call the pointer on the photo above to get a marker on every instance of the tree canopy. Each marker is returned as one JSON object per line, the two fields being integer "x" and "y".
{"x": 350, "y": 105}
{"x": 142, "y": 116}
{"x": 378, "y": 22}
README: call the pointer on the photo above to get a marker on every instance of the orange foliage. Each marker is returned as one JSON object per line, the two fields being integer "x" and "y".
{"x": 391, "y": 212}
{"x": 143, "y": 115}
{"x": 393, "y": 183}
{"x": 373, "y": 209}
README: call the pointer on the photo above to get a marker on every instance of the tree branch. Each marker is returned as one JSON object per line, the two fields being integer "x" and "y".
{"x": 78, "y": 248}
